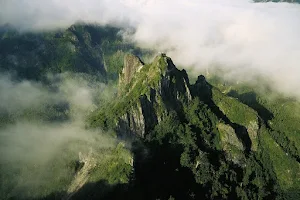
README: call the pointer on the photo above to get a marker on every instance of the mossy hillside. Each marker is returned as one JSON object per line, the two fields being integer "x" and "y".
{"x": 151, "y": 77}
{"x": 264, "y": 100}
{"x": 278, "y": 137}
{"x": 208, "y": 131}
{"x": 236, "y": 111}
{"x": 115, "y": 166}
{"x": 203, "y": 121}
{"x": 283, "y": 125}
{"x": 113, "y": 169}
{"x": 286, "y": 113}
{"x": 38, "y": 179}
{"x": 82, "y": 48}
{"x": 230, "y": 142}
{"x": 279, "y": 113}
{"x": 286, "y": 169}
{"x": 130, "y": 94}
{"x": 192, "y": 147}
{"x": 148, "y": 78}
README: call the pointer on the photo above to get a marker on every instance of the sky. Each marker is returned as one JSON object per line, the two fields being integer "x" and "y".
{"x": 243, "y": 38}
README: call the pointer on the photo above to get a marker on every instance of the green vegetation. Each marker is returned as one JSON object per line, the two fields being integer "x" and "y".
{"x": 237, "y": 112}
{"x": 278, "y": 135}
{"x": 81, "y": 48}
{"x": 157, "y": 137}
{"x": 116, "y": 166}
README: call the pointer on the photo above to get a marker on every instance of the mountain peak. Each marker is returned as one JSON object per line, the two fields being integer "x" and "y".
{"x": 164, "y": 63}
{"x": 136, "y": 74}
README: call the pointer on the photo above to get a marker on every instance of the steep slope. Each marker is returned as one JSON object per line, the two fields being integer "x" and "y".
{"x": 80, "y": 48}
{"x": 42, "y": 75}
{"x": 195, "y": 137}
{"x": 189, "y": 141}
{"x": 279, "y": 115}
{"x": 150, "y": 92}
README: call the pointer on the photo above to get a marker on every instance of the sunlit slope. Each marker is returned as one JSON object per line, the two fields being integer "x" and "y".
{"x": 280, "y": 138}
{"x": 211, "y": 129}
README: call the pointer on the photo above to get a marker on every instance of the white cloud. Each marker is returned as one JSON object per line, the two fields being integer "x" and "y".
{"x": 36, "y": 154}
{"x": 16, "y": 96}
{"x": 240, "y": 36}
{"x": 50, "y": 14}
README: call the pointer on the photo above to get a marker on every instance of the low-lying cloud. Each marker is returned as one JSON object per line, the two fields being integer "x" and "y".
{"x": 37, "y": 152}
{"x": 243, "y": 38}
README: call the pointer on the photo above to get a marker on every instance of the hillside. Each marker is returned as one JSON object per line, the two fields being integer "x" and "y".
{"x": 200, "y": 139}
{"x": 81, "y": 48}
{"x": 86, "y": 115}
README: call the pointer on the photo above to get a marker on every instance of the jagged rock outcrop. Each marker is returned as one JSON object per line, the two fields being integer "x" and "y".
{"x": 149, "y": 92}
{"x": 192, "y": 128}
{"x": 160, "y": 87}
{"x": 132, "y": 64}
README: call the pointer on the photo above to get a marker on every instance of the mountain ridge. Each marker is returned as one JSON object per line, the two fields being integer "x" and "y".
{"x": 182, "y": 140}
{"x": 211, "y": 130}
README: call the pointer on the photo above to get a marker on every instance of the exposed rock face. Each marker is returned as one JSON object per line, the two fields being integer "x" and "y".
{"x": 133, "y": 122}
{"x": 217, "y": 136}
{"x": 252, "y": 129}
{"x": 165, "y": 88}
{"x": 228, "y": 137}
{"x": 148, "y": 93}
{"x": 230, "y": 143}
{"x": 140, "y": 118}
{"x": 131, "y": 65}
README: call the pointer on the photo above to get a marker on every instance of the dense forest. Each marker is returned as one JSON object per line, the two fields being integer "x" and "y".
{"x": 152, "y": 131}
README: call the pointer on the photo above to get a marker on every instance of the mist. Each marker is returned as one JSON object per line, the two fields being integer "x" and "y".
{"x": 242, "y": 38}
{"x": 37, "y": 152}
{"x": 45, "y": 130}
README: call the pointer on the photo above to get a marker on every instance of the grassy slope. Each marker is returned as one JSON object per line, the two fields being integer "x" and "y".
{"x": 149, "y": 75}
{"x": 284, "y": 121}
{"x": 81, "y": 48}
{"x": 33, "y": 56}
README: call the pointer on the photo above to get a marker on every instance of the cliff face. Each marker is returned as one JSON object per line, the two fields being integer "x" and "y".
{"x": 132, "y": 64}
{"x": 227, "y": 146}
{"x": 150, "y": 93}
{"x": 153, "y": 91}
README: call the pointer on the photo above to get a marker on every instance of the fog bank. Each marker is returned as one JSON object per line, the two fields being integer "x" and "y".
{"x": 42, "y": 132}
{"x": 241, "y": 37}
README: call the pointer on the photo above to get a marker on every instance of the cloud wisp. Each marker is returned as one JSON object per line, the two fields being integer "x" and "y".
{"x": 243, "y": 38}
{"x": 37, "y": 152}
